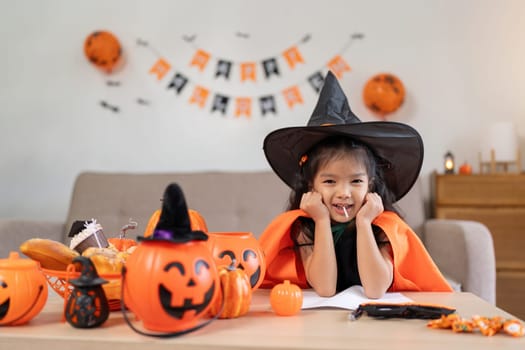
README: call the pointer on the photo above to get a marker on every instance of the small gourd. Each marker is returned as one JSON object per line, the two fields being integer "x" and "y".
{"x": 235, "y": 295}
{"x": 286, "y": 299}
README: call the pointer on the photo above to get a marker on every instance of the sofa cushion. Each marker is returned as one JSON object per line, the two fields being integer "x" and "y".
{"x": 227, "y": 201}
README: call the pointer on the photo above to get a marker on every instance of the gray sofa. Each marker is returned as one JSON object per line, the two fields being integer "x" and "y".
{"x": 247, "y": 201}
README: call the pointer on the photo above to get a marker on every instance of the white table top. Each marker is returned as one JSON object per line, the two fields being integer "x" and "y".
{"x": 262, "y": 329}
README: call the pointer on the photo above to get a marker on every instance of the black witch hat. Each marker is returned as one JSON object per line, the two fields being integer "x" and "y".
{"x": 174, "y": 222}
{"x": 88, "y": 273}
{"x": 397, "y": 147}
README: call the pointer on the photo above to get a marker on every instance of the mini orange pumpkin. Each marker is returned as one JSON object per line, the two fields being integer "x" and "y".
{"x": 286, "y": 298}
{"x": 197, "y": 222}
{"x": 235, "y": 295}
{"x": 23, "y": 290}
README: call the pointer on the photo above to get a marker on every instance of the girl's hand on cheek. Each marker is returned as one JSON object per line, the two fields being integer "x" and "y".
{"x": 371, "y": 208}
{"x": 312, "y": 203}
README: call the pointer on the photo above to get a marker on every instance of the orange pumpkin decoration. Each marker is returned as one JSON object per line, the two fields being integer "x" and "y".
{"x": 103, "y": 49}
{"x": 197, "y": 222}
{"x": 286, "y": 299}
{"x": 465, "y": 169}
{"x": 171, "y": 279}
{"x": 23, "y": 290}
{"x": 242, "y": 249}
{"x": 122, "y": 244}
{"x": 235, "y": 294}
{"x": 169, "y": 286}
{"x": 384, "y": 93}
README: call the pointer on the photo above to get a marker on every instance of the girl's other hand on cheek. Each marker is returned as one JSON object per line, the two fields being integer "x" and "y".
{"x": 312, "y": 203}
{"x": 371, "y": 208}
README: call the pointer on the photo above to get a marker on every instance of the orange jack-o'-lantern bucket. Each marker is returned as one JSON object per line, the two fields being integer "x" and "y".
{"x": 171, "y": 279}
{"x": 23, "y": 290}
{"x": 241, "y": 248}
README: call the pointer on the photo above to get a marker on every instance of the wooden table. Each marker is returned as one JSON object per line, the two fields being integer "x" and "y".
{"x": 262, "y": 329}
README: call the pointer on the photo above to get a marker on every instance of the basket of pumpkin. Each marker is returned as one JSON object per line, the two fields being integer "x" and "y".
{"x": 108, "y": 257}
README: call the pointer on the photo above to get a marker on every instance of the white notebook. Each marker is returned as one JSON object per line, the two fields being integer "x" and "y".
{"x": 349, "y": 299}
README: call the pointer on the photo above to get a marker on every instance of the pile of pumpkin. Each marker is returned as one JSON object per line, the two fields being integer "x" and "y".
{"x": 237, "y": 282}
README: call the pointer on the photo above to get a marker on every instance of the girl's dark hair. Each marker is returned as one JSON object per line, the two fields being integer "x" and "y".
{"x": 335, "y": 147}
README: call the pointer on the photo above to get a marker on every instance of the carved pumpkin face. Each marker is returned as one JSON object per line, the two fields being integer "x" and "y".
{"x": 169, "y": 286}
{"x": 4, "y": 299}
{"x": 23, "y": 290}
{"x": 198, "y": 274}
{"x": 240, "y": 249}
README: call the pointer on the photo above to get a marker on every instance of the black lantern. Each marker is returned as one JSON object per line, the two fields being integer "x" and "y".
{"x": 449, "y": 163}
{"x": 87, "y": 305}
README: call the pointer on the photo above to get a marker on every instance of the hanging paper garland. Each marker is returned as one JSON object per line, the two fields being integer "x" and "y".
{"x": 103, "y": 50}
{"x": 243, "y": 105}
{"x": 384, "y": 93}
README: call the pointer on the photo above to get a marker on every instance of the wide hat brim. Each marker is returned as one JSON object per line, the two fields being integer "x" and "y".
{"x": 397, "y": 147}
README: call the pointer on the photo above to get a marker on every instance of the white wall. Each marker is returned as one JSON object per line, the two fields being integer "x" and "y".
{"x": 462, "y": 63}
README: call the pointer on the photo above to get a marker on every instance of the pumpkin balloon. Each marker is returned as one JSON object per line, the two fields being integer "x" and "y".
{"x": 171, "y": 279}
{"x": 23, "y": 290}
{"x": 103, "y": 49}
{"x": 197, "y": 222}
{"x": 384, "y": 93}
{"x": 286, "y": 298}
{"x": 235, "y": 295}
{"x": 243, "y": 249}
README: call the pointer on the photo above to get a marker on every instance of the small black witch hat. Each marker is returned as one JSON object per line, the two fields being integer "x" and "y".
{"x": 88, "y": 273}
{"x": 174, "y": 222}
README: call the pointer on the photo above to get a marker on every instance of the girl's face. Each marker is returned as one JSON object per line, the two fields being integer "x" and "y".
{"x": 343, "y": 184}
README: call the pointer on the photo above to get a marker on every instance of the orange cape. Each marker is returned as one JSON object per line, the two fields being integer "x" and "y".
{"x": 414, "y": 269}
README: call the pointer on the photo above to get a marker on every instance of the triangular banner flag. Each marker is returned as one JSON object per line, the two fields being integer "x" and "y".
{"x": 199, "y": 96}
{"x": 316, "y": 80}
{"x": 270, "y": 67}
{"x": 220, "y": 103}
{"x": 200, "y": 59}
{"x": 293, "y": 56}
{"x": 248, "y": 71}
{"x": 223, "y": 69}
{"x": 160, "y": 68}
{"x": 292, "y": 96}
{"x": 338, "y": 66}
{"x": 267, "y": 104}
{"x": 243, "y": 106}
{"x": 178, "y": 82}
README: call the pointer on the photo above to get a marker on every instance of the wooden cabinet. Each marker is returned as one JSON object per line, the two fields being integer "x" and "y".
{"x": 498, "y": 201}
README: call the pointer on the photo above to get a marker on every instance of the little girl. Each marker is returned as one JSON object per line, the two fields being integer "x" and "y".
{"x": 341, "y": 228}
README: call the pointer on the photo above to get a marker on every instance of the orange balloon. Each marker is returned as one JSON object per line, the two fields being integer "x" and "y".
{"x": 103, "y": 50}
{"x": 384, "y": 93}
